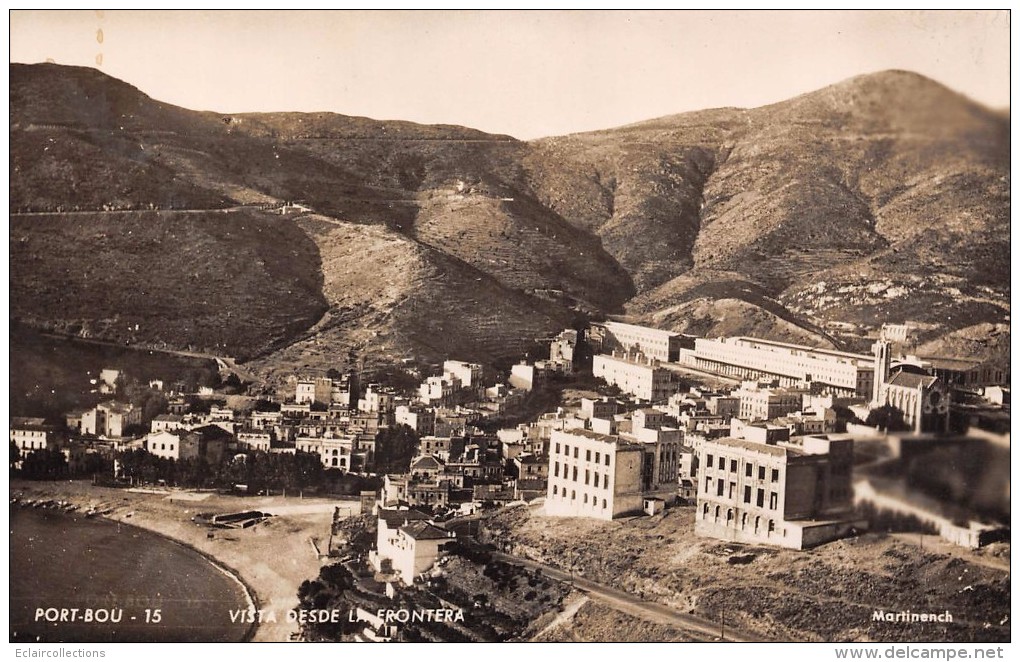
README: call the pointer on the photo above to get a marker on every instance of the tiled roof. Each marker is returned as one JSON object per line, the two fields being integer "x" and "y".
{"x": 395, "y": 518}
{"x": 911, "y": 380}
{"x": 424, "y": 531}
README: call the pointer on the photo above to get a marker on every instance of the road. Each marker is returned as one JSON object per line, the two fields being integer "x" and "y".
{"x": 629, "y": 604}
{"x": 222, "y": 362}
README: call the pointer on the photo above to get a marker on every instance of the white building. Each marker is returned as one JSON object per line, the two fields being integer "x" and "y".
{"x": 32, "y": 434}
{"x": 792, "y": 365}
{"x": 603, "y": 476}
{"x": 469, "y": 374}
{"x": 408, "y": 543}
{"x": 653, "y": 343}
{"x": 523, "y": 376}
{"x": 635, "y": 374}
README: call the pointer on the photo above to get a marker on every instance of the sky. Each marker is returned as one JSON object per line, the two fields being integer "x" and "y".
{"x": 524, "y": 73}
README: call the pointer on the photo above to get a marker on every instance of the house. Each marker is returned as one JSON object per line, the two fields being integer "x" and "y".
{"x": 32, "y": 434}
{"x": 528, "y": 466}
{"x": 109, "y": 380}
{"x": 524, "y": 376}
{"x": 110, "y": 419}
{"x": 771, "y": 492}
{"x": 317, "y": 390}
{"x": 420, "y": 419}
{"x": 562, "y": 350}
{"x": 407, "y": 543}
{"x": 254, "y": 439}
{"x": 165, "y": 443}
{"x": 209, "y": 442}
{"x": 167, "y": 422}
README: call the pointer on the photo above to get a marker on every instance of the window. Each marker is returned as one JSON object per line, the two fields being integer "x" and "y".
{"x": 573, "y": 494}
{"x": 775, "y": 475}
{"x": 761, "y": 498}
{"x": 575, "y": 474}
{"x": 605, "y": 503}
{"x": 773, "y": 500}
{"x": 556, "y": 490}
{"x": 749, "y": 470}
{"x": 733, "y": 488}
{"x": 722, "y": 462}
{"x": 761, "y": 473}
{"x": 597, "y": 457}
{"x": 586, "y": 498}
{"x": 557, "y": 447}
{"x": 566, "y": 449}
{"x": 556, "y": 470}
{"x": 708, "y": 484}
{"x": 596, "y": 483}
{"x": 607, "y": 459}
{"x": 747, "y": 494}
{"x": 720, "y": 486}
{"x": 587, "y": 455}
{"x": 587, "y": 476}
{"x": 575, "y": 452}
{"x": 733, "y": 466}
{"x": 711, "y": 459}
{"x": 605, "y": 481}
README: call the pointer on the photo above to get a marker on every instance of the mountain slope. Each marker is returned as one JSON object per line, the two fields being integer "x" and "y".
{"x": 884, "y": 198}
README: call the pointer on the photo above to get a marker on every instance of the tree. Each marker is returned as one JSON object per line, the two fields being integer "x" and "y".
{"x": 888, "y": 418}
{"x": 44, "y": 464}
{"x": 394, "y": 449}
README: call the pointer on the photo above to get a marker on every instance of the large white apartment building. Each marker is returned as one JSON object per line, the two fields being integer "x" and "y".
{"x": 654, "y": 343}
{"x": 635, "y": 374}
{"x": 602, "y": 476}
{"x": 753, "y": 358}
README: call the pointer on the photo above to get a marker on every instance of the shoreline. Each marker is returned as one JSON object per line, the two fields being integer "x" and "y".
{"x": 250, "y": 595}
{"x": 276, "y": 555}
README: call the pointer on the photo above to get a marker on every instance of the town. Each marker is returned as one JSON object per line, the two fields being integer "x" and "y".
{"x": 767, "y": 443}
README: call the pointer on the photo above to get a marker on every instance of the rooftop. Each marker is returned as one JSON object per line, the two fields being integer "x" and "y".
{"x": 910, "y": 380}
{"x": 395, "y": 518}
{"x": 425, "y": 531}
{"x": 766, "y": 449}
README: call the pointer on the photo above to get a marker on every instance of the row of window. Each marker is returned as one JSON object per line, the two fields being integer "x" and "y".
{"x": 587, "y": 453}
{"x": 721, "y": 491}
{"x": 573, "y": 496}
{"x": 734, "y": 464}
{"x": 571, "y": 473}
{"x": 745, "y": 521}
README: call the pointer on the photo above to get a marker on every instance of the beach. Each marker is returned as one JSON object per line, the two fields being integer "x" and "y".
{"x": 272, "y": 559}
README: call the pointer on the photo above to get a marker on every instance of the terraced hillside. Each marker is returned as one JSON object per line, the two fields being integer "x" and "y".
{"x": 884, "y": 198}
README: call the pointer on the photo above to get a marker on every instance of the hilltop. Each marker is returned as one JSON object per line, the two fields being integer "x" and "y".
{"x": 881, "y": 198}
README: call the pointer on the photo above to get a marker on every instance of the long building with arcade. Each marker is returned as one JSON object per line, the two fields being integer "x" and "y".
{"x": 842, "y": 373}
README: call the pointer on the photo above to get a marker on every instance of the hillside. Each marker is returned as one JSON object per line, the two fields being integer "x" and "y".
{"x": 884, "y": 198}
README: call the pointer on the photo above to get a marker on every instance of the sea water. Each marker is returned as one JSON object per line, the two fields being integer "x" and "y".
{"x": 78, "y": 579}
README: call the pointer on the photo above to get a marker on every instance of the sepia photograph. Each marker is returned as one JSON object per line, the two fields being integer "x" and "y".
{"x": 451, "y": 326}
